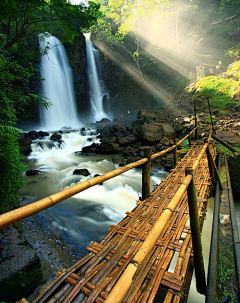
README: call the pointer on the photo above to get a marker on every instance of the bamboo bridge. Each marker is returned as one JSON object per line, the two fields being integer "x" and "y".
{"x": 149, "y": 256}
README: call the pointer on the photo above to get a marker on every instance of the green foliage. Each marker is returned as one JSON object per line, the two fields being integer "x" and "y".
{"x": 11, "y": 166}
{"x": 234, "y": 70}
{"x": 218, "y": 90}
{"x": 150, "y": 118}
{"x": 209, "y": 121}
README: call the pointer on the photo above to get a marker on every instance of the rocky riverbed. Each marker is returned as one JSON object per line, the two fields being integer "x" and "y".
{"x": 125, "y": 139}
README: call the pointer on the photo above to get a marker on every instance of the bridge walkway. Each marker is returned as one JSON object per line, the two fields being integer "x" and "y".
{"x": 163, "y": 276}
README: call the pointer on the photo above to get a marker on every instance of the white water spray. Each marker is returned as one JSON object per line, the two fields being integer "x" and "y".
{"x": 57, "y": 87}
{"x": 96, "y": 89}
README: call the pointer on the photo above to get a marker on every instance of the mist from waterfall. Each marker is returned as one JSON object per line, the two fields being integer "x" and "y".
{"x": 57, "y": 87}
{"x": 96, "y": 85}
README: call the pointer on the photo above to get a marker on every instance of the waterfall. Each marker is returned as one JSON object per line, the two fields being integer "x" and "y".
{"x": 57, "y": 87}
{"x": 96, "y": 85}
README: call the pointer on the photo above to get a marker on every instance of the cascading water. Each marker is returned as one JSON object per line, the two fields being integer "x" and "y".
{"x": 88, "y": 215}
{"x": 57, "y": 87}
{"x": 96, "y": 89}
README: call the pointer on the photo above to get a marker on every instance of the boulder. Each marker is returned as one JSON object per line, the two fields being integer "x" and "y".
{"x": 110, "y": 148}
{"x": 25, "y": 146}
{"x": 32, "y": 172}
{"x": 127, "y": 140}
{"x": 117, "y": 159}
{"x": 33, "y": 134}
{"x": 81, "y": 171}
{"x": 55, "y": 137}
{"x": 106, "y": 140}
{"x": 150, "y": 133}
{"x": 169, "y": 132}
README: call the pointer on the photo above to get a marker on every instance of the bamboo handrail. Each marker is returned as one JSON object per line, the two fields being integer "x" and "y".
{"x": 122, "y": 286}
{"x": 163, "y": 152}
{"x": 35, "y": 207}
{"x": 30, "y": 209}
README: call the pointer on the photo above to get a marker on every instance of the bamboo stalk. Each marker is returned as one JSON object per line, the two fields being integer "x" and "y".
{"x": 196, "y": 236}
{"x": 121, "y": 288}
{"x": 146, "y": 174}
{"x": 210, "y": 113}
{"x": 175, "y": 155}
{"x": 213, "y": 167}
{"x": 195, "y": 116}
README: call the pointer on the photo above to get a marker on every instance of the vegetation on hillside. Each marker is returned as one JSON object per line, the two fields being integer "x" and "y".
{"x": 223, "y": 92}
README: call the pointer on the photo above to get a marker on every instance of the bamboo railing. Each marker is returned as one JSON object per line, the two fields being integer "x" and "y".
{"x": 35, "y": 207}
{"x": 122, "y": 286}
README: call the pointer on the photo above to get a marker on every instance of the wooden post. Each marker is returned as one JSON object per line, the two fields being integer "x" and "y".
{"x": 195, "y": 117}
{"x": 189, "y": 140}
{"x": 196, "y": 236}
{"x": 210, "y": 113}
{"x": 213, "y": 168}
{"x": 146, "y": 174}
{"x": 175, "y": 155}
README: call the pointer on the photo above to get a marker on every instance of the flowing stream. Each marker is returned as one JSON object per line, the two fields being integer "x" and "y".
{"x": 57, "y": 87}
{"x": 88, "y": 215}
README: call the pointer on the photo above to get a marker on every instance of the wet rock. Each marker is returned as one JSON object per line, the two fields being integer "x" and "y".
{"x": 55, "y": 137}
{"x": 83, "y": 172}
{"x": 109, "y": 140}
{"x": 127, "y": 140}
{"x": 25, "y": 146}
{"x": 91, "y": 148}
{"x": 42, "y": 134}
{"x": 32, "y": 172}
{"x": 110, "y": 148}
{"x": 33, "y": 135}
{"x": 150, "y": 133}
{"x": 117, "y": 159}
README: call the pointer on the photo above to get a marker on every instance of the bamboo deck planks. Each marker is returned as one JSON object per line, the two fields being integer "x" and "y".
{"x": 93, "y": 277}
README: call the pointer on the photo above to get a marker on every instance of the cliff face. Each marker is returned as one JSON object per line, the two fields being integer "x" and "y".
{"x": 78, "y": 61}
{"x": 125, "y": 93}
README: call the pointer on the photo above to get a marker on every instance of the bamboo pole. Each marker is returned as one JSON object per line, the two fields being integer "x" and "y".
{"x": 195, "y": 116}
{"x": 196, "y": 236}
{"x": 213, "y": 167}
{"x": 146, "y": 174}
{"x": 210, "y": 113}
{"x": 122, "y": 286}
{"x": 30, "y": 209}
{"x": 225, "y": 144}
{"x": 124, "y": 283}
{"x": 175, "y": 155}
{"x": 163, "y": 152}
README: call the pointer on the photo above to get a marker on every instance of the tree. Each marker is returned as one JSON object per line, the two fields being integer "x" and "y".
{"x": 21, "y": 23}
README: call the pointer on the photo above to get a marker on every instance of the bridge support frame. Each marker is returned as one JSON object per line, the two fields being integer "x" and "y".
{"x": 146, "y": 174}
{"x": 196, "y": 235}
{"x": 213, "y": 168}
